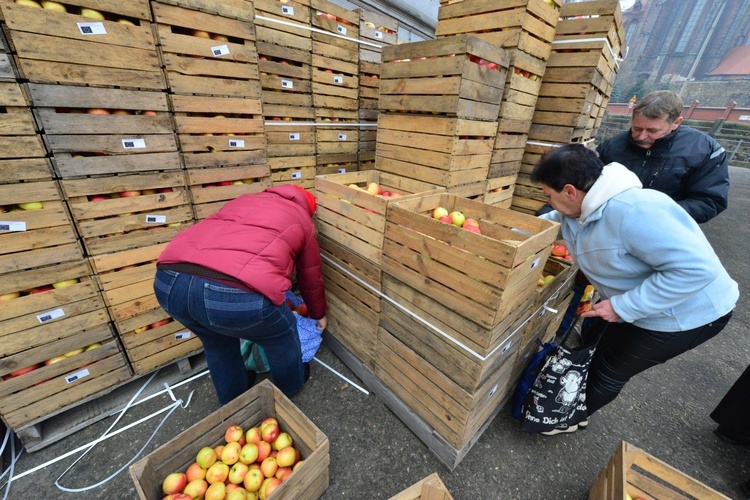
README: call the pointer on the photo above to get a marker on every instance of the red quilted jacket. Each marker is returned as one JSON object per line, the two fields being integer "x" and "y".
{"x": 258, "y": 239}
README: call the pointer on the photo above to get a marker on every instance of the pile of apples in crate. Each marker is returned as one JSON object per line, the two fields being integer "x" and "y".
{"x": 250, "y": 466}
{"x": 457, "y": 219}
{"x": 376, "y": 189}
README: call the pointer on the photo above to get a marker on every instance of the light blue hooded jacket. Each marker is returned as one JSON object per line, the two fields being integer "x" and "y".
{"x": 644, "y": 252}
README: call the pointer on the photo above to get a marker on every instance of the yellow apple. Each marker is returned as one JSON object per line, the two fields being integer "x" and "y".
{"x": 63, "y": 284}
{"x": 32, "y": 205}
{"x": 93, "y": 346}
{"x": 93, "y": 14}
{"x": 74, "y": 352}
{"x": 57, "y": 7}
{"x": 29, "y": 3}
{"x": 9, "y": 296}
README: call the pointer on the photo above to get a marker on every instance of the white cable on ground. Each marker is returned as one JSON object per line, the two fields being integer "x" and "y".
{"x": 341, "y": 376}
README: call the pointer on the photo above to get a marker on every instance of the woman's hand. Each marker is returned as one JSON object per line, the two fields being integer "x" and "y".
{"x": 602, "y": 309}
{"x": 322, "y": 323}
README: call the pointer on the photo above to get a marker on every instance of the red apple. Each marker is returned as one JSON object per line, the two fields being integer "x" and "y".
{"x": 269, "y": 467}
{"x": 98, "y": 197}
{"x": 41, "y": 289}
{"x": 206, "y": 457}
{"x": 160, "y": 323}
{"x": 559, "y": 250}
{"x": 233, "y": 433}
{"x": 126, "y": 194}
{"x": 446, "y": 218}
{"x": 174, "y": 483}
{"x": 264, "y": 450}
{"x": 196, "y": 488}
{"x": 217, "y": 473}
{"x": 302, "y": 310}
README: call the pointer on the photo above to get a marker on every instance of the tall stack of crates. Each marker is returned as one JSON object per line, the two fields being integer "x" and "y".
{"x": 439, "y": 101}
{"x": 58, "y": 345}
{"x": 211, "y": 66}
{"x": 351, "y": 232}
{"x": 284, "y": 42}
{"x": 526, "y": 29}
{"x": 581, "y": 72}
{"x": 449, "y": 342}
{"x": 376, "y": 31}
{"x": 335, "y": 75}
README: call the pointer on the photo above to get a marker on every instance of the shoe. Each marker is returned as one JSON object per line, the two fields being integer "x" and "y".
{"x": 745, "y": 487}
{"x": 572, "y": 428}
{"x": 306, "y": 367}
{"x": 731, "y": 437}
{"x": 583, "y": 424}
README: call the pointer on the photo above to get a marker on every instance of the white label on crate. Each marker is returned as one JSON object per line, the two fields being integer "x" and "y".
{"x": 156, "y": 219}
{"x": 287, "y": 10}
{"x": 494, "y": 389}
{"x": 236, "y": 143}
{"x": 294, "y": 136}
{"x": 287, "y": 84}
{"x": 12, "y": 226}
{"x": 133, "y": 143}
{"x": 506, "y": 347}
{"x": 92, "y": 28}
{"x": 342, "y": 137}
{"x": 341, "y": 29}
{"x": 296, "y": 175}
{"x": 219, "y": 50}
{"x": 342, "y": 170}
{"x": 77, "y": 376}
{"x": 338, "y": 79}
{"x": 49, "y": 316}
{"x": 598, "y": 99}
{"x": 379, "y": 34}
{"x": 182, "y": 335}
{"x": 535, "y": 263}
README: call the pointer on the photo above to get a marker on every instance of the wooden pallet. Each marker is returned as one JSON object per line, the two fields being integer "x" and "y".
{"x": 447, "y": 454}
{"x": 93, "y": 409}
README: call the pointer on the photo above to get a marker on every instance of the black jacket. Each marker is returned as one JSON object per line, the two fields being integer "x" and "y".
{"x": 688, "y": 165}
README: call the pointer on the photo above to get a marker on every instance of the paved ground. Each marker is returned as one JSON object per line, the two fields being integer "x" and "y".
{"x": 373, "y": 455}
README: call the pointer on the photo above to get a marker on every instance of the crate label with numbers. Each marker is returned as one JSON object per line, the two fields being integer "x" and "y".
{"x": 49, "y": 316}
{"x": 338, "y": 79}
{"x": 156, "y": 219}
{"x": 77, "y": 376}
{"x": 236, "y": 143}
{"x": 379, "y": 34}
{"x": 342, "y": 137}
{"x": 12, "y": 226}
{"x": 296, "y": 175}
{"x": 133, "y": 143}
{"x": 92, "y": 28}
{"x": 294, "y": 136}
{"x": 341, "y": 29}
{"x": 182, "y": 335}
{"x": 287, "y": 10}
{"x": 287, "y": 84}
{"x": 342, "y": 170}
{"x": 220, "y": 50}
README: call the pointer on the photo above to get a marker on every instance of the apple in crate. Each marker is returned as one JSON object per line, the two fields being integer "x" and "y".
{"x": 217, "y": 473}
{"x": 9, "y": 296}
{"x": 93, "y": 14}
{"x": 374, "y": 188}
{"x": 206, "y": 457}
{"x": 57, "y": 7}
{"x": 196, "y": 488}
{"x": 174, "y": 483}
{"x": 439, "y": 212}
{"x": 253, "y": 480}
{"x": 29, "y": 3}
{"x": 457, "y": 218}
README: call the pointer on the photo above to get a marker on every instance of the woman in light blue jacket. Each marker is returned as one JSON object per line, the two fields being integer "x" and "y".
{"x": 664, "y": 290}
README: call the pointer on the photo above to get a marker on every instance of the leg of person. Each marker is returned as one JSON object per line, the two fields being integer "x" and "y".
{"x": 733, "y": 412}
{"x": 280, "y": 340}
{"x": 626, "y": 350}
{"x": 183, "y": 296}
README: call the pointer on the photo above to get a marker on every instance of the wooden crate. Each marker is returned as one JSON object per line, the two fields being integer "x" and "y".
{"x": 290, "y": 137}
{"x": 285, "y": 75}
{"x": 332, "y": 18}
{"x": 441, "y": 150}
{"x": 339, "y": 139}
{"x": 335, "y": 82}
{"x": 634, "y": 473}
{"x": 461, "y": 76}
{"x": 366, "y": 160}
{"x": 525, "y": 25}
{"x": 7, "y": 68}
{"x": 264, "y": 400}
{"x": 233, "y": 9}
{"x": 154, "y": 209}
{"x": 378, "y": 31}
{"x": 336, "y": 163}
{"x": 18, "y": 131}
{"x": 593, "y": 19}
{"x": 499, "y": 191}
{"x": 208, "y": 54}
{"x": 485, "y": 276}
{"x": 93, "y": 131}
{"x": 283, "y": 23}
{"x": 56, "y": 47}
{"x": 41, "y": 235}
{"x": 297, "y": 170}
{"x": 149, "y": 335}
{"x": 211, "y": 188}
{"x": 368, "y": 135}
{"x": 546, "y": 307}
{"x": 25, "y": 169}
{"x": 353, "y": 287}
{"x": 219, "y": 131}
{"x": 356, "y": 218}
{"x": 431, "y": 488}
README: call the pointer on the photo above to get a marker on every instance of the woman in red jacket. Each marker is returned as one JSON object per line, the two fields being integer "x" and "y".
{"x": 225, "y": 279}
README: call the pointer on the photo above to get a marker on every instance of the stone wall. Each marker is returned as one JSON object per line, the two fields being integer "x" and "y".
{"x": 716, "y": 94}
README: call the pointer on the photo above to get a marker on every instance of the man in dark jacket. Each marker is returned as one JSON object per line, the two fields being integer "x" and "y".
{"x": 225, "y": 279}
{"x": 686, "y": 164}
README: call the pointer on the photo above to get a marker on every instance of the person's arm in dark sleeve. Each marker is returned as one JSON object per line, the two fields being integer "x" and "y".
{"x": 310, "y": 278}
{"x": 706, "y": 190}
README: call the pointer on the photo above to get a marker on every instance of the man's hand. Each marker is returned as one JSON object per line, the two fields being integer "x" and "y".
{"x": 602, "y": 309}
{"x": 322, "y": 323}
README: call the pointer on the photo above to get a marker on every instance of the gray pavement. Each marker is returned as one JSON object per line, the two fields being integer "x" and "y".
{"x": 374, "y": 455}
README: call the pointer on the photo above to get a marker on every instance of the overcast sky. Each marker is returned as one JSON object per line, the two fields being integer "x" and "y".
{"x": 625, "y": 4}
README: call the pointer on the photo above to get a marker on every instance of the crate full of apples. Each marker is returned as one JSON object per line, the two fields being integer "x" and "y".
{"x": 482, "y": 270}
{"x": 258, "y": 446}
{"x": 352, "y": 207}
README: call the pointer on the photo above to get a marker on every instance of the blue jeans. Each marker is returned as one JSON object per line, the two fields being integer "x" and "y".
{"x": 221, "y": 315}
{"x": 626, "y": 350}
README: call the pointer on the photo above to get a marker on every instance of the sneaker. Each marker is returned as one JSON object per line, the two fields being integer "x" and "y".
{"x": 731, "y": 437}
{"x": 583, "y": 424}
{"x": 554, "y": 432}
